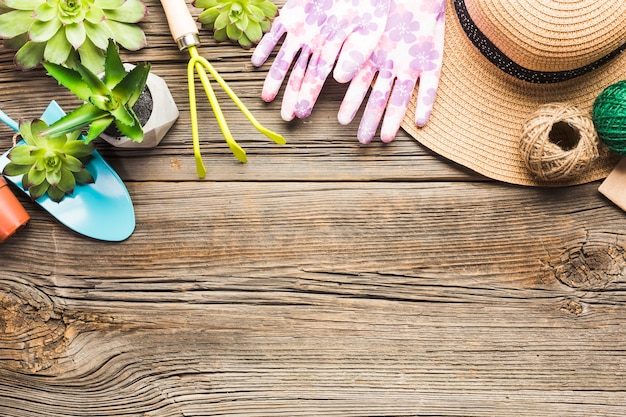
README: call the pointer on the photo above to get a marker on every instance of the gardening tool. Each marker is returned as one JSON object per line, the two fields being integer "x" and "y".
{"x": 185, "y": 33}
{"x": 101, "y": 210}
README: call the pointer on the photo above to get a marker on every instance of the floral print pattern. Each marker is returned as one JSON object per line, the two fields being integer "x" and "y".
{"x": 410, "y": 49}
{"x": 320, "y": 33}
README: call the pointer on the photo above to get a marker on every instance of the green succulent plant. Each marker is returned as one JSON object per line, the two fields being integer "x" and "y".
{"x": 69, "y": 31}
{"x": 108, "y": 100}
{"x": 49, "y": 165}
{"x": 242, "y": 21}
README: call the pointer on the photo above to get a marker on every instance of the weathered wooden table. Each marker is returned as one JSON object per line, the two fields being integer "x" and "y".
{"x": 323, "y": 277}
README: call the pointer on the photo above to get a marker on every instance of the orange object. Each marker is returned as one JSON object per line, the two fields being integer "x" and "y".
{"x": 12, "y": 214}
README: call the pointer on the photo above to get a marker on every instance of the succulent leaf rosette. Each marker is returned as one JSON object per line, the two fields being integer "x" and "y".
{"x": 69, "y": 31}
{"x": 242, "y": 21}
{"x": 49, "y": 165}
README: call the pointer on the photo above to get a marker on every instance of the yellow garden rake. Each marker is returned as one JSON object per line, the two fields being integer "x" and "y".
{"x": 185, "y": 33}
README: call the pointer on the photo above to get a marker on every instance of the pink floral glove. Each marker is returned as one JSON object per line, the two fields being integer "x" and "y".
{"x": 317, "y": 29}
{"x": 411, "y": 48}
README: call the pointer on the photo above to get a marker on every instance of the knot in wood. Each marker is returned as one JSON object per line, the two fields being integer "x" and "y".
{"x": 592, "y": 266}
{"x": 31, "y": 333}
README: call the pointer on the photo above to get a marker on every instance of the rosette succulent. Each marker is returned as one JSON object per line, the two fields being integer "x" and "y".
{"x": 242, "y": 21}
{"x": 49, "y": 165}
{"x": 69, "y": 31}
{"x": 108, "y": 100}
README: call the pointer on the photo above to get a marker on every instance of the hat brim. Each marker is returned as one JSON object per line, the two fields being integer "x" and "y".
{"x": 479, "y": 111}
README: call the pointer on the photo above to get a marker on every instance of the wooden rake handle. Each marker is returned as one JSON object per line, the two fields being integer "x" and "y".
{"x": 182, "y": 25}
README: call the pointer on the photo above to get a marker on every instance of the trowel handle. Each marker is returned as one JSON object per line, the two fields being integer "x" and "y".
{"x": 182, "y": 25}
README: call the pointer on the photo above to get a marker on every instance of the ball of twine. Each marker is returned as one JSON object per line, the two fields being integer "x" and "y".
{"x": 558, "y": 142}
{"x": 609, "y": 117}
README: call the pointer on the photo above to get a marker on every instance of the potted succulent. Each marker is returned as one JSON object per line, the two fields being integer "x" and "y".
{"x": 156, "y": 111}
{"x": 12, "y": 214}
{"x": 108, "y": 99}
{"x": 126, "y": 105}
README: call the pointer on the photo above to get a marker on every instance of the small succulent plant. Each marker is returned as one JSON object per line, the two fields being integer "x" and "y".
{"x": 242, "y": 21}
{"x": 108, "y": 100}
{"x": 69, "y": 31}
{"x": 49, "y": 165}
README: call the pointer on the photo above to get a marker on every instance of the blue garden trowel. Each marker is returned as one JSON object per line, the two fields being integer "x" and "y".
{"x": 102, "y": 210}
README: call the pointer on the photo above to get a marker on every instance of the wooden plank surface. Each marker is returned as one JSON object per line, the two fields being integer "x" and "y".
{"x": 324, "y": 277}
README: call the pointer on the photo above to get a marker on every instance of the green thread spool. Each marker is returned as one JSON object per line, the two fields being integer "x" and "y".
{"x": 609, "y": 117}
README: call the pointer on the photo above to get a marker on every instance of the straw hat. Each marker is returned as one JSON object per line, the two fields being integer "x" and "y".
{"x": 503, "y": 59}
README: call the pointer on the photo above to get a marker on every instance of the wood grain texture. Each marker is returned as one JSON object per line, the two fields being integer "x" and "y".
{"x": 323, "y": 277}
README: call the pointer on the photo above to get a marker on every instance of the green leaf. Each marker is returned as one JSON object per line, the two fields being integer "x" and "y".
{"x": 254, "y": 32}
{"x": 15, "y": 23}
{"x": 208, "y": 17}
{"x": 233, "y": 32}
{"x": 58, "y": 48}
{"x": 37, "y": 191}
{"x": 79, "y": 148}
{"x": 129, "y": 36}
{"x": 29, "y": 55}
{"x": 95, "y": 15}
{"x": 130, "y": 88}
{"x": 243, "y": 23}
{"x": 98, "y": 33}
{"x": 222, "y": 21}
{"x": 97, "y": 127}
{"x": 133, "y": 131}
{"x": 123, "y": 115}
{"x": 132, "y": 11}
{"x": 91, "y": 56}
{"x": 205, "y": 4}
{"x": 269, "y": 9}
{"x": 220, "y": 35}
{"x": 12, "y": 169}
{"x": 67, "y": 181}
{"x": 96, "y": 85}
{"x": 83, "y": 177}
{"x": 56, "y": 194}
{"x": 22, "y": 155}
{"x": 22, "y": 4}
{"x": 255, "y": 13}
{"x": 76, "y": 34}
{"x": 36, "y": 176}
{"x": 109, "y": 4}
{"x": 73, "y": 164}
{"x": 36, "y": 127}
{"x": 114, "y": 71}
{"x": 57, "y": 142}
{"x": 70, "y": 79}
{"x": 43, "y": 31}
{"x": 265, "y": 25}
{"x": 53, "y": 176}
{"x": 106, "y": 103}
{"x": 44, "y": 12}
{"x": 77, "y": 119}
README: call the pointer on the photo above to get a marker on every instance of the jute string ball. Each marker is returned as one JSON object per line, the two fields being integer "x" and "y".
{"x": 609, "y": 117}
{"x": 558, "y": 142}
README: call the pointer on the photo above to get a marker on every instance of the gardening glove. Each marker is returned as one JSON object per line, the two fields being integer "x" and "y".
{"x": 317, "y": 29}
{"x": 411, "y": 49}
